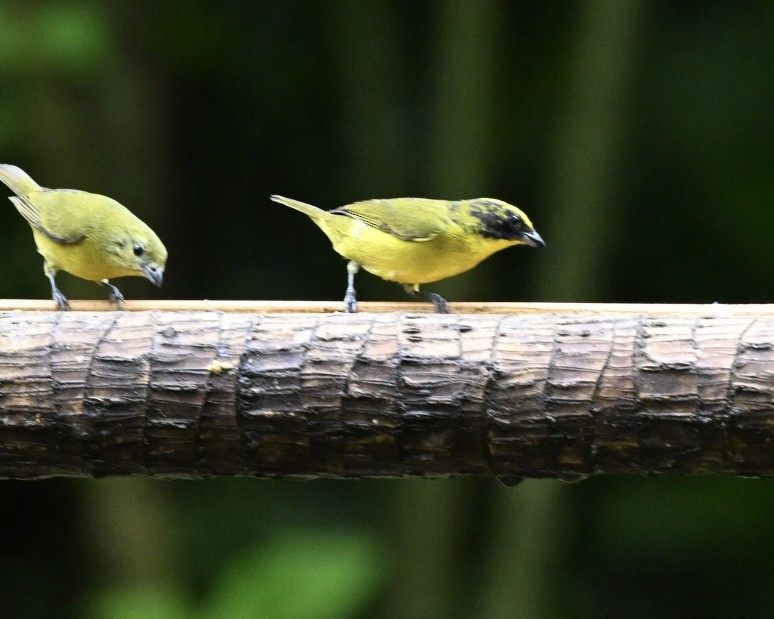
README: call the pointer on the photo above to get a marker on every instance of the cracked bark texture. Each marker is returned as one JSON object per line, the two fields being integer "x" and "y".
{"x": 547, "y": 394}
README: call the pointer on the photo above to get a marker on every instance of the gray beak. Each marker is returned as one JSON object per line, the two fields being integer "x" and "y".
{"x": 154, "y": 274}
{"x": 533, "y": 239}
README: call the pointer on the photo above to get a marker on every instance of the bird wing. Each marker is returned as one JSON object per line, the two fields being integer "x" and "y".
{"x": 409, "y": 219}
{"x": 50, "y": 212}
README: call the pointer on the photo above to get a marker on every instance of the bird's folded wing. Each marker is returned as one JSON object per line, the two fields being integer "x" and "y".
{"x": 50, "y": 215}
{"x": 409, "y": 219}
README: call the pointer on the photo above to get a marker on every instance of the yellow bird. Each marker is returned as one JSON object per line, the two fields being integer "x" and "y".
{"x": 414, "y": 241}
{"x": 88, "y": 235}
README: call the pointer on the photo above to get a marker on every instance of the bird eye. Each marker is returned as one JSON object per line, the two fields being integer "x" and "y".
{"x": 515, "y": 219}
{"x": 138, "y": 250}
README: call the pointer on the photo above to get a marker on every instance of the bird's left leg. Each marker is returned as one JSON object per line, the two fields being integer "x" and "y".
{"x": 56, "y": 294}
{"x": 114, "y": 295}
{"x": 350, "y": 297}
{"x": 441, "y": 306}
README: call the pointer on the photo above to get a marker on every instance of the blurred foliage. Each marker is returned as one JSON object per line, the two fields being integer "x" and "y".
{"x": 638, "y": 136}
{"x": 297, "y": 575}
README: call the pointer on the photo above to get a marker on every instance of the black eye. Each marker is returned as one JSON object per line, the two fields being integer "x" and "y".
{"x": 515, "y": 219}
{"x": 138, "y": 250}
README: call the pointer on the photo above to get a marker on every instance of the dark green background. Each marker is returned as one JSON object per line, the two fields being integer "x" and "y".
{"x": 638, "y": 136}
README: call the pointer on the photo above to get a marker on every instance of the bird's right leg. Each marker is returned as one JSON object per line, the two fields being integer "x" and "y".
{"x": 114, "y": 295}
{"x": 56, "y": 294}
{"x": 350, "y": 297}
{"x": 441, "y": 306}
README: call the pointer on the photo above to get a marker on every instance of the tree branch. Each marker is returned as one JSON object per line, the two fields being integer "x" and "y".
{"x": 281, "y": 390}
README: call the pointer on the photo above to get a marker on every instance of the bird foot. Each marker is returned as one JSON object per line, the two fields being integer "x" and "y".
{"x": 350, "y": 303}
{"x": 115, "y": 295}
{"x": 440, "y": 304}
{"x": 61, "y": 301}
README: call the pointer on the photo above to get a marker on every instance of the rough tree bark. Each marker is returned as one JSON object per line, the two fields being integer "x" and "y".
{"x": 538, "y": 391}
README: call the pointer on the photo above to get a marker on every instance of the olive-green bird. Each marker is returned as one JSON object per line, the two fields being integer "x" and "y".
{"x": 86, "y": 234}
{"x": 414, "y": 241}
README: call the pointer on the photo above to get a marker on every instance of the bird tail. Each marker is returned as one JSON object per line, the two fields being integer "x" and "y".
{"x": 308, "y": 209}
{"x": 17, "y": 179}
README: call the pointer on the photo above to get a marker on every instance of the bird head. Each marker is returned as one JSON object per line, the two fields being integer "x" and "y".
{"x": 499, "y": 221}
{"x": 150, "y": 256}
{"x": 137, "y": 250}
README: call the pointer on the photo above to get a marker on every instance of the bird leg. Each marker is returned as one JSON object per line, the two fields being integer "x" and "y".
{"x": 114, "y": 295}
{"x": 56, "y": 294}
{"x": 436, "y": 299}
{"x": 350, "y": 297}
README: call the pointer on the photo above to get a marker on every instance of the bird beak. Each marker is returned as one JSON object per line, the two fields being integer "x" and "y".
{"x": 533, "y": 239}
{"x": 154, "y": 274}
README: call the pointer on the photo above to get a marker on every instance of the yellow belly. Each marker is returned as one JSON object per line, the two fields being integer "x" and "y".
{"x": 406, "y": 262}
{"x": 85, "y": 259}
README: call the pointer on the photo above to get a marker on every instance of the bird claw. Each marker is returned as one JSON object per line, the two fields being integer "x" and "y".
{"x": 350, "y": 303}
{"x": 115, "y": 295}
{"x": 117, "y": 298}
{"x": 61, "y": 301}
{"x": 119, "y": 301}
{"x": 441, "y": 306}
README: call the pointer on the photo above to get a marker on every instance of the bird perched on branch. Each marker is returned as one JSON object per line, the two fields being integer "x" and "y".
{"x": 414, "y": 241}
{"x": 88, "y": 235}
